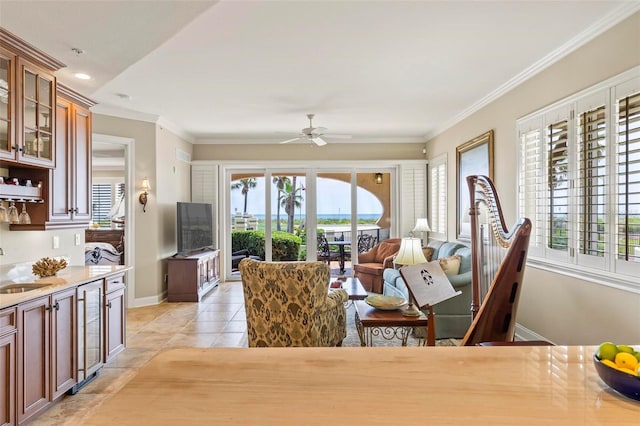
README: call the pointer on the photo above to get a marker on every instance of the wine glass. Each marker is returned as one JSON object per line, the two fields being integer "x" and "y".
{"x": 13, "y": 213}
{"x": 24, "y": 216}
{"x": 3, "y": 212}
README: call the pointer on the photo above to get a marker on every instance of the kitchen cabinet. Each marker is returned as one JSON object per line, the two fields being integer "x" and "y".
{"x": 7, "y": 103}
{"x": 191, "y": 277}
{"x": 46, "y": 351}
{"x": 8, "y": 332}
{"x": 114, "y": 317}
{"x": 70, "y": 182}
{"x": 27, "y": 116}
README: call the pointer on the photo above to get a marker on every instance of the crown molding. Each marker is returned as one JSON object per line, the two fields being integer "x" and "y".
{"x": 607, "y": 22}
{"x": 252, "y": 140}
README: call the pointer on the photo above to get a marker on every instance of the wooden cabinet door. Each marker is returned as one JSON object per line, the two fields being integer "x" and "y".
{"x": 63, "y": 342}
{"x": 115, "y": 323}
{"x": 60, "y": 204}
{"x": 8, "y": 147}
{"x": 8, "y": 366}
{"x": 81, "y": 164}
{"x": 36, "y": 106}
{"x": 33, "y": 357}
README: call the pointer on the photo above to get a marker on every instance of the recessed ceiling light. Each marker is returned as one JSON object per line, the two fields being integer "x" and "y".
{"x": 82, "y": 76}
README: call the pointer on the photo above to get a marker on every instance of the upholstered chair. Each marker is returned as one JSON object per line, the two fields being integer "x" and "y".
{"x": 371, "y": 264}
{"x": 289, "y": 304}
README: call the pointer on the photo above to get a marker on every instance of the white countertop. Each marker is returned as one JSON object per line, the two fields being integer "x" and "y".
{"x": 71, "y": 276}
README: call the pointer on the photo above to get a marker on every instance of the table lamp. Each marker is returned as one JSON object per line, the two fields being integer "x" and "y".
{"x": 410, "y": 253}
{"x": 422, "y": 226}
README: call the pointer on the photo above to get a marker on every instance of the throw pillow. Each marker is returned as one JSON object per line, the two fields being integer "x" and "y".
{"x": 451, "y": 265}
{"x": 428, "y": 253}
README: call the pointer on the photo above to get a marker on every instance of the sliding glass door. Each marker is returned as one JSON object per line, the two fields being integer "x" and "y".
{"x": 284, "y": 214}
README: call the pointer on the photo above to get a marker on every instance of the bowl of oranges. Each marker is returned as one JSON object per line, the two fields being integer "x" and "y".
{"x": 619, "y": 367}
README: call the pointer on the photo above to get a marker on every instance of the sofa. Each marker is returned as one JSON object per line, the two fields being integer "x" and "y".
{"x": 372, "y": 263}
{"x": 453, "y": 316}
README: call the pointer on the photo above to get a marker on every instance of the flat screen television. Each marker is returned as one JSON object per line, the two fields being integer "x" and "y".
{"x": 194, "y": 226}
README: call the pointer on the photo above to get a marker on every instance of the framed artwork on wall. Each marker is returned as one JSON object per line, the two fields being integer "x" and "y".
{"x": 474, "y": 157}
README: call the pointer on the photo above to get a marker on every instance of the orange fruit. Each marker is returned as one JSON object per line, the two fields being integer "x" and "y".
{"x": 626, "y": 370}
{"x": 609, "y": 363}
{"x": 626, "y": 360}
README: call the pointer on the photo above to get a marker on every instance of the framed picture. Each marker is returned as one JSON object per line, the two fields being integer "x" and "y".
{"x": 474, "y": 157}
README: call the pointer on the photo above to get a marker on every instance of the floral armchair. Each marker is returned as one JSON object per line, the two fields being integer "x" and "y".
{"x": 289, "y": 304}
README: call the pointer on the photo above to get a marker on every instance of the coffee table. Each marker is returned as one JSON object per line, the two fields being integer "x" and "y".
{"x": 353, "y": 287}
{"x": 389, "y": 325}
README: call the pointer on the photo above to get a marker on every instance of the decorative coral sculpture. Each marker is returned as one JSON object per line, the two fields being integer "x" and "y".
{"x": 47, "y": 267}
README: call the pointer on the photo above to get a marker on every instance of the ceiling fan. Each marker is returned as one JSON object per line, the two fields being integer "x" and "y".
{"x": 314, "y": 134}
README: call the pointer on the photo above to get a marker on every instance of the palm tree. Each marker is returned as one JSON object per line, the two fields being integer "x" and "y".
{"x": 291, "y": 199}
{"x": 279, "y": 182}
{"x": 246, "y": 185}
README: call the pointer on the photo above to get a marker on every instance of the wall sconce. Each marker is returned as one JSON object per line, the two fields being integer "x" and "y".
{"x": 143, "y": 197}
{"x": 378, "y": 178}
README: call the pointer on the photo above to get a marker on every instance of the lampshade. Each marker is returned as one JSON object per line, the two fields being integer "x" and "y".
{"x": 422, "y": 225}
{"x": 410, "y": 252}
{"x": 145, "y": 185}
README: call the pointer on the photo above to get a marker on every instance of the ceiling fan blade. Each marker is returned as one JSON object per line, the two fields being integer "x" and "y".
{"x": 336, "y": 136}
{"x": 319, "y": 130}
{"x": 318, "y": 141}
{"x": 290, "y": 140}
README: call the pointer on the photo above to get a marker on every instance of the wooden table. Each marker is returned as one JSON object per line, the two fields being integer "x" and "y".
{"x": 533, "y": 385}
{"x": 372, "y": 322}
{"x": 353, "y": 287}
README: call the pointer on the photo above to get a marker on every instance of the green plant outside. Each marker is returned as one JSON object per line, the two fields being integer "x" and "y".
{"x": 285, "y": 246}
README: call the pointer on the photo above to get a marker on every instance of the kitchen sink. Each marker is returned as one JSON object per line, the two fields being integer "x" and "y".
{"x": 21, "y": 288}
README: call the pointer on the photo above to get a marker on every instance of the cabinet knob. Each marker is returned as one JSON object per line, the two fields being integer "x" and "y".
{"x": 49, "y": 308}
{"x": 109, "y": 304}
{"x": 57, "y": 306}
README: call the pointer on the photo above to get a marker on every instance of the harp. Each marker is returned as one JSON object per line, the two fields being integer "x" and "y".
{"x": 498, "y": 256}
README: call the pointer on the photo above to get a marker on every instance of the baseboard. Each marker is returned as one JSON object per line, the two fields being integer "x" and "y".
{"x": 523, "y": 333}
{"x": 147, "y": 301}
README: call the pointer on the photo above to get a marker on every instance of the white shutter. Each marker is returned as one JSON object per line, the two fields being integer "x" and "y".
{"x": 413, "y": 195}
{"x": 532, "y": 192}
{"x": 438, "y": 197}
{"x": 627, "y": 238}
{"x": 204, "y": 189}
{"x": 591, "y": 188}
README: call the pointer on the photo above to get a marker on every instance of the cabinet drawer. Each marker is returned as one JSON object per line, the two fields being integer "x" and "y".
{"x": 113, "y": 283}
{"x": 7, "y": 321}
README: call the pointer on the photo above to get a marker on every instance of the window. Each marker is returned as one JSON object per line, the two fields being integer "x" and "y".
{"x": 438, "y": 197}
{"x": 101, "y": 203}
{"x": 107, "y": 201}
{"x": 579, "y": 181}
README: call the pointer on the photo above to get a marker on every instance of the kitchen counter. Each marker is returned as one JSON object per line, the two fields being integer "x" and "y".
{"x": 513, "y": 385}
{"x": 71, "y": 276}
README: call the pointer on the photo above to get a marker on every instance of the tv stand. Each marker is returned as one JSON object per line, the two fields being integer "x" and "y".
{"x": 192, "y": 275}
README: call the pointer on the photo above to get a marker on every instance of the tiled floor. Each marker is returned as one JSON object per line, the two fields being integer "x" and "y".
{"x": 217, "y": 321}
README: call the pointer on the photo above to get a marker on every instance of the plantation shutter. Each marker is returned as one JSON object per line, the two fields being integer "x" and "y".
{"x": 591, "y": 186}
{"x": 438, "y": 197}
{"x": 558, "y": 185}
{"x": 413, "y": 196}
{"x": 204, "y": 189}
{"x": 628, "y": 185}
{"x": 101, "y": 203}
{"x": 531, "y": 194}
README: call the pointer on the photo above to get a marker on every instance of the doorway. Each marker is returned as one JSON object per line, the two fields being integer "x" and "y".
{"x": 112, "y": 166}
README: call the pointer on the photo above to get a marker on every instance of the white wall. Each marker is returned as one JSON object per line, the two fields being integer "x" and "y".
{"x": 563, "y": 309}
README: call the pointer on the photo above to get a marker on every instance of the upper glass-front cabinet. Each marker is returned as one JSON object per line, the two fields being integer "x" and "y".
{"x": 7, "y": 119}
{"x": 38, "y": 88}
